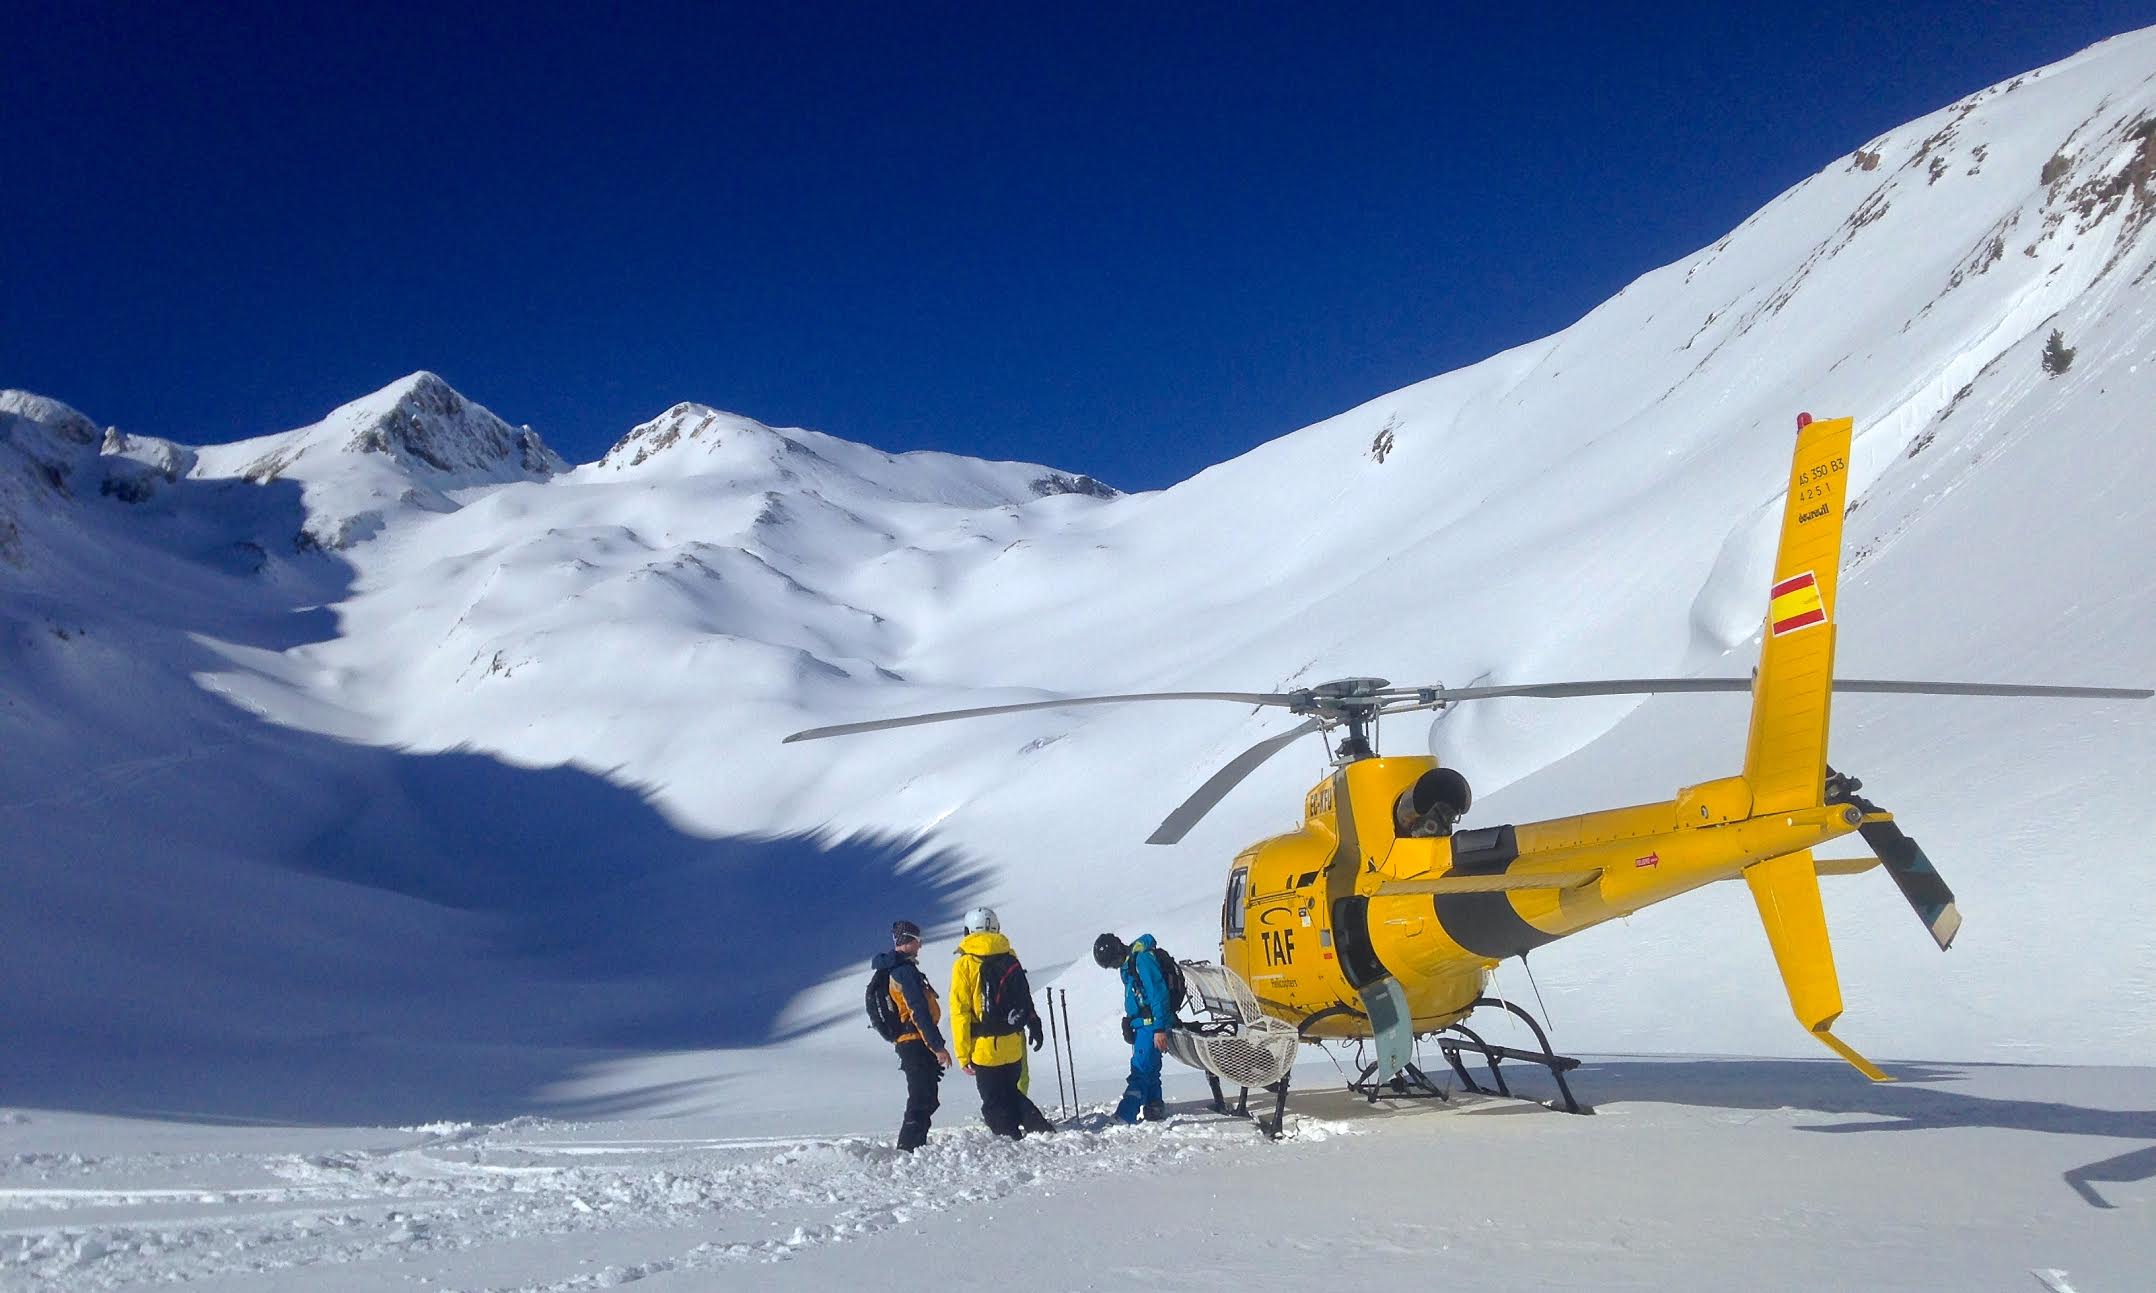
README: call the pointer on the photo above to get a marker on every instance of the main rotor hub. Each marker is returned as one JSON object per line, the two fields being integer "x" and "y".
{"x": 1342, "y": 696}
{"x": 1353, "y": 702}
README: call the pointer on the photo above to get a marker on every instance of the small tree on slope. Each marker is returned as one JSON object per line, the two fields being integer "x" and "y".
{"x": 2057, "y": 357}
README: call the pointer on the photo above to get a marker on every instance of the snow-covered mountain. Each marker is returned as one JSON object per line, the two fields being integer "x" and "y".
{"x": 410, "y": 445}
{"x": 44, "y": 448}
{"x": 394, "y": 723}
{"x": 697, "y": 440}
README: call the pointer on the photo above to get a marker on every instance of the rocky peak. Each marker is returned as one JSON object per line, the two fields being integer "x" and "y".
{"x": 1063, "y": 482}
{"x": 411, "y": 445}
{"x": 685, "y": 424}
{"x": 137, "y": 466}
{"x": 423, "y": 424}
{"x": 51, "y": 414}
{"x": 53, "y": 440}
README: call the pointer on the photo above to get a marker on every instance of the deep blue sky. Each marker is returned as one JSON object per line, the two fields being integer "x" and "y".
{"x": 1116, "y": 240}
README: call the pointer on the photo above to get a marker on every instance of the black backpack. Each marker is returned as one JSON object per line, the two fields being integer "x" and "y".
{"x": 882, "y": 1011}
{"x": 1171, "y": 974}
{"x": 1006, "y": 996}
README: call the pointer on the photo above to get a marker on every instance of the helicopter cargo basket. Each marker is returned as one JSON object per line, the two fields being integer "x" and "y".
{"x": 1226, "y": 1034}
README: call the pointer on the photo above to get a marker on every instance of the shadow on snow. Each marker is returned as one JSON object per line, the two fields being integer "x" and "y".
{"x": 210, "y": 916}
{"x": 1922, "y": 1099}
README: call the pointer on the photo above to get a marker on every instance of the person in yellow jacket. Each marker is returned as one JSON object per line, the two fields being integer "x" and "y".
{"x": 992, "y": 1018}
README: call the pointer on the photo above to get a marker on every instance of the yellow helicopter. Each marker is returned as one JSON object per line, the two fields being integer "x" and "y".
{"x": 1378, "y": 921}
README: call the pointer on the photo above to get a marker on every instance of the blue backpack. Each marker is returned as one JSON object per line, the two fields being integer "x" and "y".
{"x": 1171, "y": 975}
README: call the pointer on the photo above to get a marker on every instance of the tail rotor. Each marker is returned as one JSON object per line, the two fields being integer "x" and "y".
{"x": 1919, "y": 882}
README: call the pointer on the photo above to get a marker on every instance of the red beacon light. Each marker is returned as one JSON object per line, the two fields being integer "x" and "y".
{"x": 1803, "y": 420}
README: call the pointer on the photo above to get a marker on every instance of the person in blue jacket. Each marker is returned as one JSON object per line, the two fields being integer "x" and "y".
{"x": 1148, "y": 1014}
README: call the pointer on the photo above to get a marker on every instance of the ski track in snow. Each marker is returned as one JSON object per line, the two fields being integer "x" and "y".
{"x": 757, "y": 1199}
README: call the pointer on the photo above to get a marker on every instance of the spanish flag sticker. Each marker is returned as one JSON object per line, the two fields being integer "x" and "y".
{"x": 1796, "y": 605}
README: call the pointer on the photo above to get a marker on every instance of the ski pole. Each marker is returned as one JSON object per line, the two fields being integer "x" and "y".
{"x": 1055, "y": 1045}
{"x": 1071, "y": 1049}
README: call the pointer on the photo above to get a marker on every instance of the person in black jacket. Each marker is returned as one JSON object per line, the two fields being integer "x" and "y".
{"x": 922, "y": 1053}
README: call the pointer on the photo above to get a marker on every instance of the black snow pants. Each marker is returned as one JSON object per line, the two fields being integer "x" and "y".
{"x": 1002, "y": 1108}
{"x": 1031, "y": 1118}
{"x": 922, "y": 1078}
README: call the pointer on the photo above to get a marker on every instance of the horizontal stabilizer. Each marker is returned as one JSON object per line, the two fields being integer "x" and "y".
{"x": 1844, "y": 866}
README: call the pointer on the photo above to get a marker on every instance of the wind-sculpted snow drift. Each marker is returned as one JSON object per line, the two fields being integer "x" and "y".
{"x": 556, "y": 792}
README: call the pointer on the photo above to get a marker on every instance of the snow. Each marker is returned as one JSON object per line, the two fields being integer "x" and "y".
{"x": 406, "y": 447}
{"x": 406, "y": 881}
{"x": 1998, "y": 1175}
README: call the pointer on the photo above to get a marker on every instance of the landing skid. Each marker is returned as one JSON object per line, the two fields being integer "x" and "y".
{"x": 1469, "y": 1040}
{"x": 1242, "y": 1104}
{"x": 1410, "y": 1083}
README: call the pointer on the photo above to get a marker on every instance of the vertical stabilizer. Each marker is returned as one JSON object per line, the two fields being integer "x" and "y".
{"x": 1787, "y": 891}
{"x": 1785, "y": 757}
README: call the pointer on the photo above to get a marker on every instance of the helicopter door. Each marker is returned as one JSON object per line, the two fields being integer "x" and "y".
{"x": 1234, "y": 951}
{"x": 1351, "y": 935}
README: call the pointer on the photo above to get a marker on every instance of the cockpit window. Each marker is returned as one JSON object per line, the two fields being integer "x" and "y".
{"x": 1231, "y": 911}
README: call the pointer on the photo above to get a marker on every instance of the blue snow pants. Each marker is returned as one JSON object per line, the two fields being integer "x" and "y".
{"x": 1144, "y": 1086}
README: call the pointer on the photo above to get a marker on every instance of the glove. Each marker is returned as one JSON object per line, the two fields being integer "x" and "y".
{"x": 1033, "y": 1031}
{"x": 1130, "y": 1031}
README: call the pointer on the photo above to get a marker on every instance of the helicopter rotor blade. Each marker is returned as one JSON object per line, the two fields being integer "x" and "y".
{"x": 1435, "y": 697}
{"x": 1920, "y": 883}
{"x": 1646, "y": 686}
{"x": 1067, "y": 702}
{"x": 1187, "y": 814}
{"x": 1992, "y": 689}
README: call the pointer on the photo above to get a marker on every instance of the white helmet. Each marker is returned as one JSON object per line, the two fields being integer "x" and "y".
{"x": 983, "y": 920}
